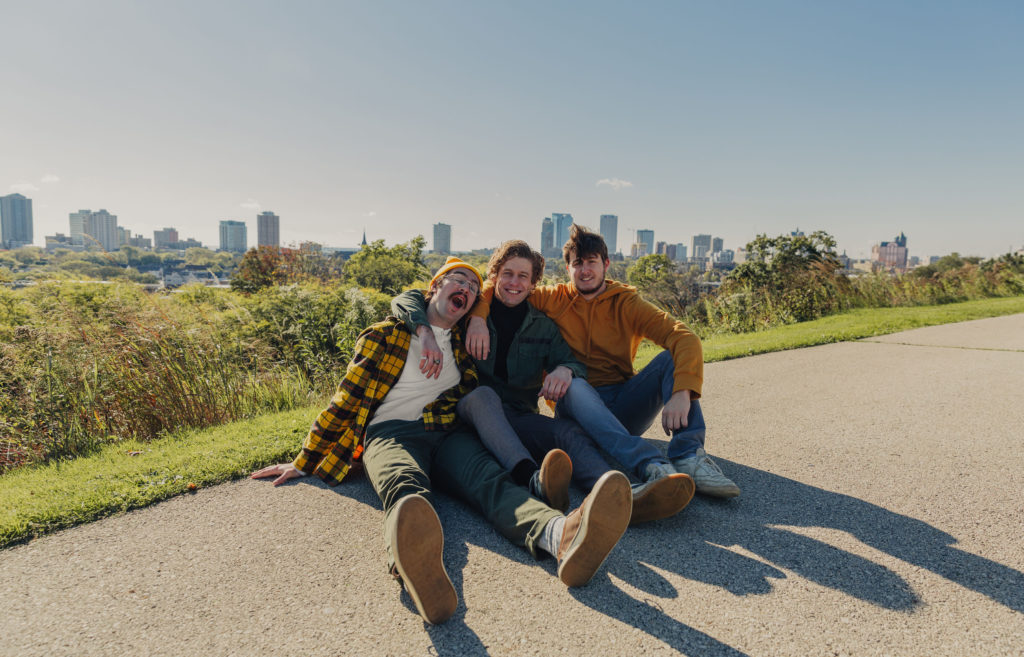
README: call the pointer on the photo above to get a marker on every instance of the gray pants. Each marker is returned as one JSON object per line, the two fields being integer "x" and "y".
{"x": 514, "y": 436}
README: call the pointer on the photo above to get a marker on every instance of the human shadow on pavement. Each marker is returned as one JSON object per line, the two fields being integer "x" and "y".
{"x": 453, "y": 637}
{"x": 755, "y": 522}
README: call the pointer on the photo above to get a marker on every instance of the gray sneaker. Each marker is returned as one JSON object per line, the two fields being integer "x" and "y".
{"x": 706, "y": 475}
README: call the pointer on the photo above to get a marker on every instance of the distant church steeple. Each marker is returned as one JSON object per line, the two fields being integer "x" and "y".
{"x": 364, "y": 238}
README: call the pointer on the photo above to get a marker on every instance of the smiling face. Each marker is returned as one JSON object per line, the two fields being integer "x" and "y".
{"x": 587, "y": 275}
{"x": 513, "y": 281}
{"x": 453, "y": 297}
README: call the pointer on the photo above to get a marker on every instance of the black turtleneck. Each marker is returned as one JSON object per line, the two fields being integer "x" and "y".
{"x": 506, "y": 322}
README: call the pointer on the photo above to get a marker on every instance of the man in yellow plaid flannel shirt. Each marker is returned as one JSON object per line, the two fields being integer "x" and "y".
{"x": 403, "y": 426}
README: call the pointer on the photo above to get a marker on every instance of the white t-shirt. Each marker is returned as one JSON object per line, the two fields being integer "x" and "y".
{"x": 413, "y": 390}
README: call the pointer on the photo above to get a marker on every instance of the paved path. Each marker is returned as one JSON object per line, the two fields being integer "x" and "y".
{"x": 881, "y": 513}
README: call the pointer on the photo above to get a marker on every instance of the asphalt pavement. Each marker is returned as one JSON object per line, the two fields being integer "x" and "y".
{"x": 882, "y": 514}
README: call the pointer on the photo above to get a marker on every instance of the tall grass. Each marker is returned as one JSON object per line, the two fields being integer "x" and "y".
{"x": 86, "y": 364}
{"x": 816, "y": 292}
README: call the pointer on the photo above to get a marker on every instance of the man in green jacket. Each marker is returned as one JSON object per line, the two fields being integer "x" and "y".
{"x": 530, "y": 359}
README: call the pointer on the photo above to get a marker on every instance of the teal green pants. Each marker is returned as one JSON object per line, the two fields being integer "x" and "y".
{"x": 401, "y": 458}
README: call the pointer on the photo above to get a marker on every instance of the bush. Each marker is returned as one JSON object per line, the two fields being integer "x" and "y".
{"x": 85, "y": 364}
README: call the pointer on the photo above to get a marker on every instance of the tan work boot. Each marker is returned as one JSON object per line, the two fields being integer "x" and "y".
{"x": 661, "y": 497}
{"x": 591, "y": 531}
{"x": 417, "y": 546}
{"x": 551, "y": 482}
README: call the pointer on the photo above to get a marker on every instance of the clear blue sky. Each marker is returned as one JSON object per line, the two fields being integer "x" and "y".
{"x": 724, "y": 117}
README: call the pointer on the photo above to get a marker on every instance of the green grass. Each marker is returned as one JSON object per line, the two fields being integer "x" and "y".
{"x": 40, "y": 499}
{"x": 854, "y": 325}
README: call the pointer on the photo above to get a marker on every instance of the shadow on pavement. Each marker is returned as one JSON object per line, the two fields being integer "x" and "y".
{"x": 752, "y": 523}
{"x": 697, "y": 551}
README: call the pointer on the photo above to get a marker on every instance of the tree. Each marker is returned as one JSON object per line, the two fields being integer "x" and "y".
{"x": 389, "y": 270}
{"x": 268, "y": 265}
{"x": 797, "y": 277}
{"x": 658, "y": 279}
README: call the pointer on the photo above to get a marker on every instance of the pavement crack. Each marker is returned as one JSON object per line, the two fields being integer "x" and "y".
{"x": 942, "y": 346}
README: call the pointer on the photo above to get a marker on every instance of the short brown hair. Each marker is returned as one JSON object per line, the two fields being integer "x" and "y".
{"x": 583, "y": 242}
{"x": 515, "y": 249}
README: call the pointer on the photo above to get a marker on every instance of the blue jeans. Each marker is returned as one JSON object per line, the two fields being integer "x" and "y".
{"x": 616, "y": 416}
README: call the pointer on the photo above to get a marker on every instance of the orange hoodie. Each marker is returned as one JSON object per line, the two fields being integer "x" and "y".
{"x": 605, "y": 332}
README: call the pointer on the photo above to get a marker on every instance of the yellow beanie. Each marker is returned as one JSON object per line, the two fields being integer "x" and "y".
{"x": 454, "y": 263}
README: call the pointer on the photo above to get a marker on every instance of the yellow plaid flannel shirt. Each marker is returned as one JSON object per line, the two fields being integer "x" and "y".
{"x": 336, "y": 437}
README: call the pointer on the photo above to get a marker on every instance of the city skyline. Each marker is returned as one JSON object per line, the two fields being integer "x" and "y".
{"x": 102, "y": 230}
{"x": 864, "y": 120}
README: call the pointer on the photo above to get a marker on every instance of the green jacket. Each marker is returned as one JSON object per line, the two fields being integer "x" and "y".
{"x": 537, "y": 347}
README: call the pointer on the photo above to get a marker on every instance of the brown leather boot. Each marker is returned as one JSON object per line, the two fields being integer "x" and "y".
{"x": 554, "y": 477}
{"x": 417, "y": 546}
{"x": 592, "y": 530}
{"x": 661, "y": 498}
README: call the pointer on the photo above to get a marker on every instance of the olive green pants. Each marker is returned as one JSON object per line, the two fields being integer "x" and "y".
{"x": 401, "y": 458}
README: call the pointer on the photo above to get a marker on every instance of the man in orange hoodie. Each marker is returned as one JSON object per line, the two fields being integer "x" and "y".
{"x": 604, "y": 321}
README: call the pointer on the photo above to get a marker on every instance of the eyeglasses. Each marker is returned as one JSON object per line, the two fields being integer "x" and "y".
{"x": 464, "y": 282}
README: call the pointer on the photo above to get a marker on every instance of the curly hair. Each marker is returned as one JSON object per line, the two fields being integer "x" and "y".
{"x": 515, "y": 249}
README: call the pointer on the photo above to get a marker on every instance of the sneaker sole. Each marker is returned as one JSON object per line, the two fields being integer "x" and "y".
{"x": 555, "y": 475}
{"x": 605, "y": 517}
{"x": 417, "y": 549}
{"x": 663, "y": 498}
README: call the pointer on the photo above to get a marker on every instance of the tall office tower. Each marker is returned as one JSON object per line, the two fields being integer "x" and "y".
{"x": 610, "y": 231}
{"x": 716, "y": 245}
{"x": 661, "y": 248}
{"x": 233, "y": 236}
{"x": 701, "y": 246}
{"x": 547, "y": 238}
{"x": 99, "y": 229}
{"x": 442, "y": 238}
{"x": 77, "y": 221}
{"x": 638, "y": 250}
{"x": 15, "y": 221}
{"x": 680, "y": 253}
{"x": 647, "y": 237}
{"x": 165, "y": 239}
{"x": 268, "y": 229}
{"x": 563, "y": 222}
{"x": 123, "y": 236}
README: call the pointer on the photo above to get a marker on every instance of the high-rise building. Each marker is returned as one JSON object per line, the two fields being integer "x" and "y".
{"x": 701, "y": 246}
{"x": 15, "y": 221}
{"x": 77, "y": 221}
{"x": 647, "y": 237}
{"x": 563, "y": 222}
{"x": 233, "y": 236}
{"x": 442, "y": 238}
{"x": 268, "y": 229}
{"x": 638, "y": 250}
{"x": 716, "y": 244}
{"x": 891, "y": 255}
{"x": 610, "y": 231}
{"x": 165, "y": 239}
{"x": 547, "y": 238}
{"x": 680, "y": 253}
{"x": 99, "y": 229}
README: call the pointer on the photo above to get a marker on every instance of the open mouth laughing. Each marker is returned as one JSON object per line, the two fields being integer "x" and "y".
{"x": 459, "y": 300}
